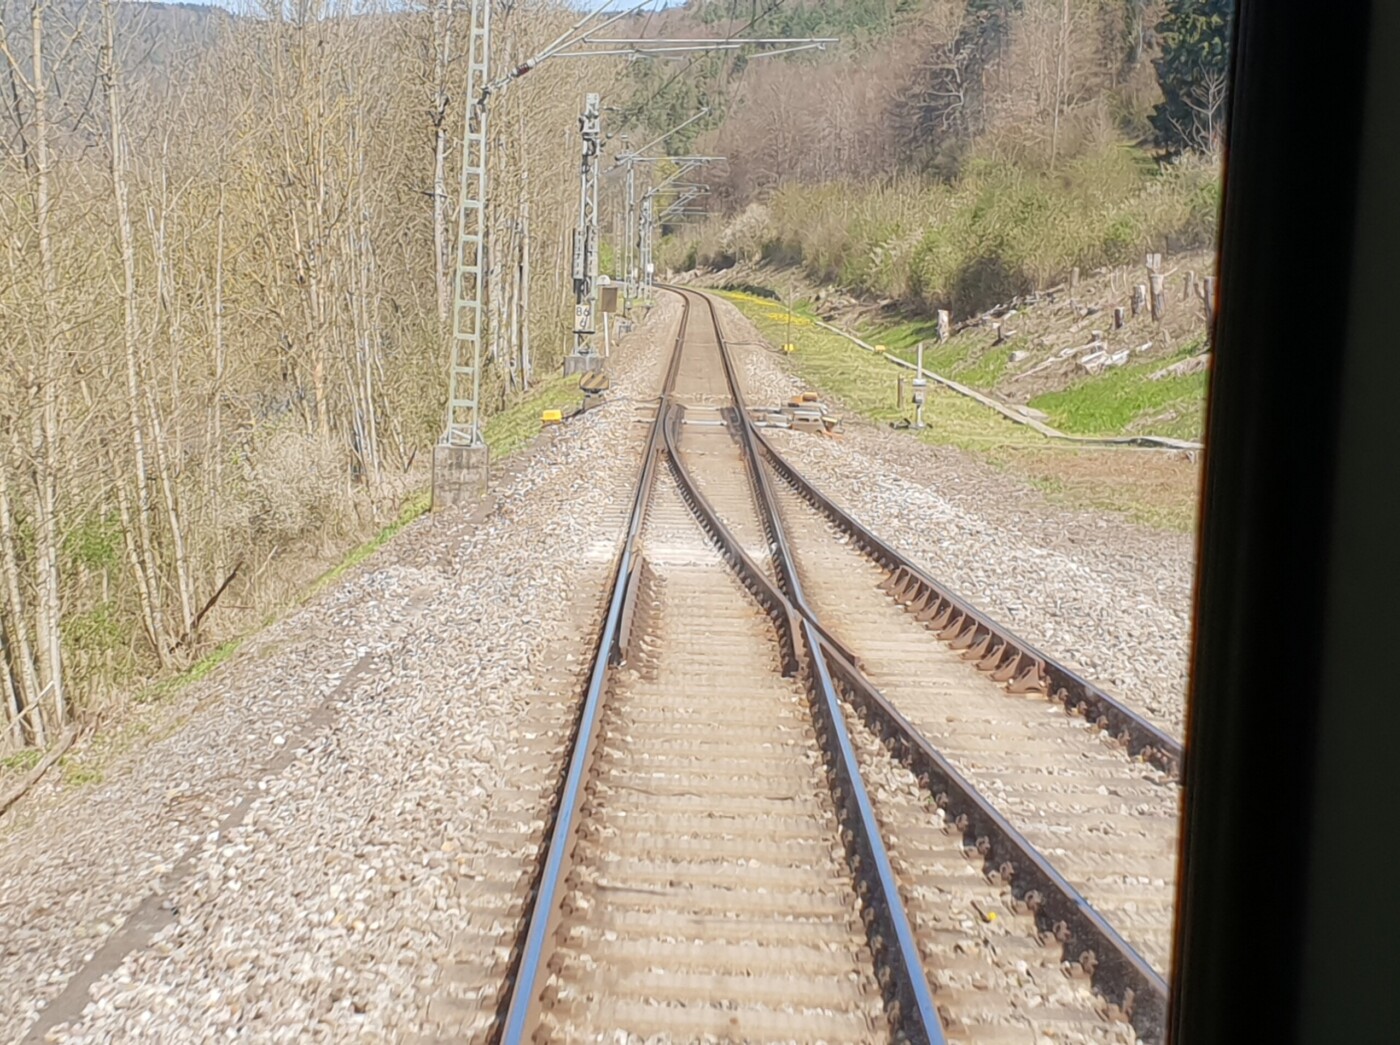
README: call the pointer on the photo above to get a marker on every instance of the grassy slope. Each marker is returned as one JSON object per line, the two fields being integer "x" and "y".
{"x": 1153, "y": 489}
{"x": 867, "y": 384}
{"x": 1126, "y": 399}
{"x": 1123, "y": 400}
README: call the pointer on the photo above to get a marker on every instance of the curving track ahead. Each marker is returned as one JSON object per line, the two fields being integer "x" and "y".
{"x": 752, "y": 843}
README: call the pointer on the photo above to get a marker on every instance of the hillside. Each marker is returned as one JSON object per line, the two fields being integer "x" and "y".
{"x": 950, "y": 153}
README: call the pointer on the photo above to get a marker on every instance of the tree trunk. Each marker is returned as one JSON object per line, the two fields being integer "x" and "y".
{"x": 46, "y": 449}
{"x": 1159, "y": 296}
{"x": 131, "y": 336}
{"x": 442, "y": 58}
{"x": 21, "y": 653}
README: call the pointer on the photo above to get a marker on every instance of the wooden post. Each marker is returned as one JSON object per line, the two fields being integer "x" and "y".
{"x": 1139, "y": 298}
{"x": 1159, "y": 296}
{"x": 1074, "y": 277}
{"x": 1118, "y": 318}
{"x": 1208, "y": 293}
{"x": 899, "y": 392}
{"x": 1189, "y": 287}
{"x": 944, "y": 325}
{"x": 1154, "y": 263}
{"x": 996, "y": 327}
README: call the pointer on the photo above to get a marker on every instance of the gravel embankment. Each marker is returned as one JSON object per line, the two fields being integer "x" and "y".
{"x": 1103, "y": 595}
{"x": 326, "y": 909}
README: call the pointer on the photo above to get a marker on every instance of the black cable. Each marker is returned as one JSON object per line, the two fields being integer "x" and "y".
{"x": 753, "y": 20}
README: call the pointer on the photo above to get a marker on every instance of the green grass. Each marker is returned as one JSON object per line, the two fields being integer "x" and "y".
{"x": 961, "y": 358}
{"x": 79, "y": 772}
{"x": 867, "y": 383}
{"x": 986, "y": 371}
{"x": 902, "y": 336}
{"x": 510, "y": 429}
{"x": 1111, "y": 402}
{"x": 168, "y": 687}
{"x": 1076, "y": 477}
{"x": 22, "y": 761}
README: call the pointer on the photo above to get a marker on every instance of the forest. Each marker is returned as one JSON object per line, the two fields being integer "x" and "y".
{"x": 956, "y": 153}
{"x": 224, "y": 301}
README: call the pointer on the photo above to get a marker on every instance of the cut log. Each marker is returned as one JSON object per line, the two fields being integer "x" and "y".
{"x": 1139, "y": 298}
{"x": 34, "y": 775}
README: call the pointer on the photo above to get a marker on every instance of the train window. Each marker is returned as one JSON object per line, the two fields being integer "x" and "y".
{"x": 734, "y": 520}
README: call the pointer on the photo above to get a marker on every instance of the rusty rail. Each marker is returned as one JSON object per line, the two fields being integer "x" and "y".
{"x": 995, "y": 649}
{"x": 1136, "y": 991}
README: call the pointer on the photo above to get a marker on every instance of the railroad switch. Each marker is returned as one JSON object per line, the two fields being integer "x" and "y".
{"x": 806, "y": 413}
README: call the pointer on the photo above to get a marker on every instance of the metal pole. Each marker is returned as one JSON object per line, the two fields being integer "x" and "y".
{"x": 586, "y": 233}
{"x": 920, "y": 388}
{"x": 525, "y": 280}
{"x": 629, "y": 272}
{"x": 646, "y": 245}
{"x": 464, "y": 386}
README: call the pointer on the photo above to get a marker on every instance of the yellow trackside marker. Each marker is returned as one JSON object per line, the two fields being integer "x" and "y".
{"x": 551, "y": 417}
{"x": 881, "y": 348}
{"x": 789, "y": 348}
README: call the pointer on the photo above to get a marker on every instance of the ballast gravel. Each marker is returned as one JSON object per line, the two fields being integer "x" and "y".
{"x": 1102, "y": 595}
{"x": 357, "y": 744}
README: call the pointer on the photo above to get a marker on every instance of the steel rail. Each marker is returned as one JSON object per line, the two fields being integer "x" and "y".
{"x": 908, "y": 1002}
{"x": 1115, "y": 969}
{"x": 899, "y": 972}
{"x": 907, "y": 994}
{"x": 994, "y": 648}
{"x": 1062, "y": 913}
{"x": 528, "y": 963}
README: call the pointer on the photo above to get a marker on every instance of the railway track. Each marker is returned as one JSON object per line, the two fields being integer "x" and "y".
{"x": 752, "y": 843}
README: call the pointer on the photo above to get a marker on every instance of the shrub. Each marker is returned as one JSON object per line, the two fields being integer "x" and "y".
{"x": 999, "y": 231}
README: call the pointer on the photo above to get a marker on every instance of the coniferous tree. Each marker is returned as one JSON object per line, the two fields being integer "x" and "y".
{"x": 1193, "y": 70}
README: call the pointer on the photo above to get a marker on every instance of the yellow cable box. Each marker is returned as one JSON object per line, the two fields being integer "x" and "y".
{"x": 552, "y": 417}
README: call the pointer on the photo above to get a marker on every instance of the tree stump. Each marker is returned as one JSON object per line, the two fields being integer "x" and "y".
{"x": 1159, "y": 296}
{"x": 1139, "y": 298}
{"x": 944, "y": 325}
{"x": 1118, "y": 313}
